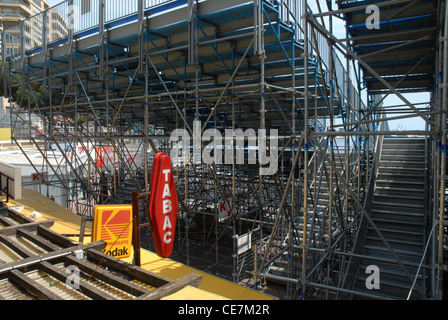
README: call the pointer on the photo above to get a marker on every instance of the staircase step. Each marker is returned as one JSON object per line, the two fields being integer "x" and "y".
{"x": 393, "y": 285}
{"x": 398, "y": 211}
{"x": 400, "y": 170}
{"x": 394, "y": 232}
{"x": 397, "y": 216}
{"x": 391, "y": 155}
{"x": 397, "y": 162}
{"x": 388, "y": 270}
{"x": 415, "y": 251}
{"x": 385, "y": 197}
{"x": 415, "y": 176}
{"x": 404, "y": 141}
{"x": 388, "y": 190}
{"x": 383, "y": 180}
{"x": 381, "y": 255}
{"x": 394, "y": 241}
{"x": 408, "y": 150}
{"x": 398, "y": 185}
{"x": 400, "y": 224}
{"x": 403, "y": 145}
{"x": 400, "y": 204}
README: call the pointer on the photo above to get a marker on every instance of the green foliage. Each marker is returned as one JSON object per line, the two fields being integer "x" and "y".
{"x": 33, "y": 96}
{"x": 3, "y": 80}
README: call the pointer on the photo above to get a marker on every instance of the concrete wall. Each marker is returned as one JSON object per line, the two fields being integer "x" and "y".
{"x": 15, "y": 187}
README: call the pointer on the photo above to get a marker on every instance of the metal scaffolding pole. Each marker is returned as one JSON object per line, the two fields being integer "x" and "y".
{"x": 444, "y": 149}
{"x": 306, "y": 133}
{"x": 113, "y": 97}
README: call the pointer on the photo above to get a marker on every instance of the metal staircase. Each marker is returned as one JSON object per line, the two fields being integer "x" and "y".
{"x": 398, "y": 211}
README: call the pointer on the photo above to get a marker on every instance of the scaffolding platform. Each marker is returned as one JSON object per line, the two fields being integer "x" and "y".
{"x": 401, "y": 47}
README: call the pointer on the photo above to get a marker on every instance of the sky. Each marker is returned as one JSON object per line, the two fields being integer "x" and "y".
{"x": 339, "y": 31}
{"x": 415, "y": 123}
{"x": 54, "y": 2}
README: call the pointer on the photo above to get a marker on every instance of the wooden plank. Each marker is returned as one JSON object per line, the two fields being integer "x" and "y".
{"x": 84, "y": 287}
{"x": 140, "y": 274}
{"x": 98, "y": 273}
{"x": 55, "y": 237}
{"x": 9, "y": 231}
{"x": 32, "y": 286}
{"x": 32, "y": 261}
{"x": 16, "y": 247}
{"x": 193, "y": 279}
{"x": 3, "y": 210}
{"x": 20, "y": 218}
{"x": 5, "y": 222}
{"x": 39, "y": 241}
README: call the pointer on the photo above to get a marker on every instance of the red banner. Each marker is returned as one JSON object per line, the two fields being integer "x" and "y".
{"x": 162, "y": 205}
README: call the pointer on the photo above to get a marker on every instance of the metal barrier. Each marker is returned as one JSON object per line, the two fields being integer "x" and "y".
{"x": 5, "y": 190}
{"x": 52, "y": 27}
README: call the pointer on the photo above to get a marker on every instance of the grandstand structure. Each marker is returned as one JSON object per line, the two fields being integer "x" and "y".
{"x": 348, "y": 199}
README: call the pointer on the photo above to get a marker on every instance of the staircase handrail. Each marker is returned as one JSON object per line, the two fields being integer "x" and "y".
{"x": 361, "y": 232}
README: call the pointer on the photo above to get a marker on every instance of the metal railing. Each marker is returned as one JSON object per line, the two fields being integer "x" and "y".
{"x": 4, "y": 187}
{"x": 51, "y": 27}
{"x": 291, "y": 12}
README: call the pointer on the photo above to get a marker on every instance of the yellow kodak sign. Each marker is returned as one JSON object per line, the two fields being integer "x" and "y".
{"x": 113, "y": 224}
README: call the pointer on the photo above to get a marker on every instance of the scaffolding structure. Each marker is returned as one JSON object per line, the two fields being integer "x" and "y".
{"x": 127, "y": 77}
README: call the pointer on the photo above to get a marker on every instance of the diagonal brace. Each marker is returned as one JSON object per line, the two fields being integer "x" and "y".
{"x": 326, "y": 33}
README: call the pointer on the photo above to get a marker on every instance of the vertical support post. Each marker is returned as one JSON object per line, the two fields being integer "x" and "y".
{"x": 257, "y": 30}
{"x": 82, "y": 229}
{"x": 306, "y": 141}
{"x": 193, "y": 49}
{"x": 141, "y": 33}
{"x": 331, "y": 143}
{"x": 101, "y": 10}
{"x": 22, "y": 45}
{"x": 255, "y": 274}
{"x": 444, "y": 151}
{"x": 22, "y": 57}
{"x": 136, "y": 228}
{"x": 192, "y": 33}
{"x": 437, "y": 166}
{"x": 45, "y": 70}
{"x": 217, "y": 233}
{"x": 72, "y": 23}
{"x": 262, "y": 57}
{"x": 5, "y": 86}
{"x": 44, "y": 46}
{"x": 143, "y": 66}
{"x": 294, "y": 141}
{"x": 347, "y": 139}
{"x": 71, "y": 30}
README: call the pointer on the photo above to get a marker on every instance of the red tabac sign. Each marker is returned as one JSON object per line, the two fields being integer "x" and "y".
{"x": 162, "y": 205}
